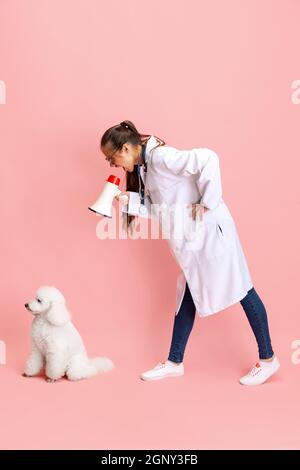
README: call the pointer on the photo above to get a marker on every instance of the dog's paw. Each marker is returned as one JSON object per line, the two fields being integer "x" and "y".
{"x": 26, "y": 375}
{"x": 50, "y": 381}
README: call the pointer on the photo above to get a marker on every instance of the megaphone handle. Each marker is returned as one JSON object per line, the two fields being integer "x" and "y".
{"x": 122, "y": 197}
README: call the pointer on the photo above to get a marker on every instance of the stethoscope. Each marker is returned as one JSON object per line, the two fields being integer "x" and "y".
{"x": 142, "y": 208}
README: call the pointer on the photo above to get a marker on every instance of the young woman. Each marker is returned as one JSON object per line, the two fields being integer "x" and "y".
{"x": 214, "y": 272}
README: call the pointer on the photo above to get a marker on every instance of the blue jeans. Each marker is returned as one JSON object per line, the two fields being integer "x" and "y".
{"x": 254, "y": 309}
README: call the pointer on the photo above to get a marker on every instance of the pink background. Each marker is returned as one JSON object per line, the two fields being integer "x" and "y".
{"x": 195, "y": 73}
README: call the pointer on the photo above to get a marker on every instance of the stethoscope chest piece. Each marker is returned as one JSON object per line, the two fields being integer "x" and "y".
{"x": 143, "y": 210}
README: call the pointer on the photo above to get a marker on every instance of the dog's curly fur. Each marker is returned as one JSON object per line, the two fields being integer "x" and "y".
{"x": 56, "y": 343}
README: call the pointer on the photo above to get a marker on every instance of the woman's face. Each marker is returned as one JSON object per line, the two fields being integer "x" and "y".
{"x": 125, "y": 157}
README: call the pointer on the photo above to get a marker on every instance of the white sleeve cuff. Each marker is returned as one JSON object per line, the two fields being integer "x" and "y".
{"x": 134, "y": 206}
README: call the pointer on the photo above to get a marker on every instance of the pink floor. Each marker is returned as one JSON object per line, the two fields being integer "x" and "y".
{"x": 202, "y": 410}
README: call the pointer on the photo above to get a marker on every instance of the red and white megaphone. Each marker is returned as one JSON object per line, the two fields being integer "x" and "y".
{"x": 104, "y": 202}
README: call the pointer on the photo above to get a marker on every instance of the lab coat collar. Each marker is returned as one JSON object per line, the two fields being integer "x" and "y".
{"x": 150, "y": 144}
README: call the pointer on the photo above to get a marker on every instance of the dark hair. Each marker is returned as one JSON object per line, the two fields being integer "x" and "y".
{"x": 118, "y": 135}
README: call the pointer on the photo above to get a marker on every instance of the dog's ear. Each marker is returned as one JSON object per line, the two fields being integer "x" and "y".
{"x": 58, "y": 314}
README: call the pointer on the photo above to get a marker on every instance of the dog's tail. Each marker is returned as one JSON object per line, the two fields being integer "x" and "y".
{"x": 101, "y": 364}
{"x": 83, "y": 367}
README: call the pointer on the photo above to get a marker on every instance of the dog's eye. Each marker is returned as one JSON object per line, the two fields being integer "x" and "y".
{"x": 39, "y": 300}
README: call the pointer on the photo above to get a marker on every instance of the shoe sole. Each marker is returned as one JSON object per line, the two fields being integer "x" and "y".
{"x": 260, "y": 383}
{"x": 148, "y": 379}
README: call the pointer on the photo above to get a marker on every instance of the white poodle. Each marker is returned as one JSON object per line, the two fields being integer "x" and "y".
{"x": 56, "y": 344}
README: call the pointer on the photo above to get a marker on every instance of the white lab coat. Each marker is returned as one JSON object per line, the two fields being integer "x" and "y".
{"x": 213, "y": 262}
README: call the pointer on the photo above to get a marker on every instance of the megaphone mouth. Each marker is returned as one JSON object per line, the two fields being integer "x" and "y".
{"x": 104, "y": 215}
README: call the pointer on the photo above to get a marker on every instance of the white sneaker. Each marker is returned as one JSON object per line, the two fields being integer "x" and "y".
{"x": 162, "y": 370}
{"x": 261, "y": 372}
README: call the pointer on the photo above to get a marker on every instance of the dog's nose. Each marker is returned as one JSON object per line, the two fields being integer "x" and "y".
{"x": 26, "y": 305}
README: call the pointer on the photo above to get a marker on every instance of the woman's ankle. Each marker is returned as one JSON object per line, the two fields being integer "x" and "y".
{"x": 174, "y": 362}
{"x": 269, "y": 359}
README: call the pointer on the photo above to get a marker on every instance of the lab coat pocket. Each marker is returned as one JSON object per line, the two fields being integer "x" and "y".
{"x": 224, "y": 230}
{"x": 218, "y": 240}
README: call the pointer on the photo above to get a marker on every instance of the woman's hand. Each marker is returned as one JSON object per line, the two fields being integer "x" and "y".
{"x": 123, "y": 198}
{"x": 198, "y": 210}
